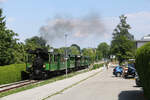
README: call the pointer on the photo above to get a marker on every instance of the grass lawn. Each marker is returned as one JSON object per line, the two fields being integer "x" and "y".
{"x": 11, "y": 73}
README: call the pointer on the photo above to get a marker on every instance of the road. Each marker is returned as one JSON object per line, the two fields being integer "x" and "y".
{"x": 103, "y": 86}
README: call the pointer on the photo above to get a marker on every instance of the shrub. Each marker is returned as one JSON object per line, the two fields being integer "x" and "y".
{"x": 11, "y": 73}
{"x": 143, "y": 67}
{"x": 95, "y": 66}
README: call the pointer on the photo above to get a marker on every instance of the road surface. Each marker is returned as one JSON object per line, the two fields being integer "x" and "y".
{"x": 103, "y": 86}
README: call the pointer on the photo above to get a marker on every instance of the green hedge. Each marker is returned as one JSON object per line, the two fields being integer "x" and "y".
{"x": 143, "y": 68}
{"x": 95, "y": 66}
{"x": 11, "y": 73}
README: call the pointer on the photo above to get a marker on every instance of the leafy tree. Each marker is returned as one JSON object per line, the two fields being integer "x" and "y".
{"x": 7, "y": 43}
{"x": 74, "y": 50}
{"x": 123, "y": 44}
{"x": 77, "y": 46}
{"x": 99, "y": 55}
{"x": 122, "y": 29}
{"x": 61, "y": 50}
{"x": 35, "y": 42}
{"x": 90, "y": 52}
{"x": 104, "y": 48}
{"x": 20, "y": 53}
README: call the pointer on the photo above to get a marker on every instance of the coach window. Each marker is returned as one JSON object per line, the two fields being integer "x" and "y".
{"x": 55, "y": 59}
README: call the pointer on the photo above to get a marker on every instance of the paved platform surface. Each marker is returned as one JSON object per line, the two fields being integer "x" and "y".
{"x": 41, "y": 92}
{"x": 103, "y": 86}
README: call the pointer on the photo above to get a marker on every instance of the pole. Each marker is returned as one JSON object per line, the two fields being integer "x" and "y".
{"x": 66, "y": 53}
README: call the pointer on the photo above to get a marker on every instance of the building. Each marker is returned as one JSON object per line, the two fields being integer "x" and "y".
{"x": 144, "y": 40}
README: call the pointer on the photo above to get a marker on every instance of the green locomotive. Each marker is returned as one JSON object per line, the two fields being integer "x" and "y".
{"x": 40, "y": 64}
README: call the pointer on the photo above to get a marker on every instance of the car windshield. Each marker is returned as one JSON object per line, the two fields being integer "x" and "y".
{"x": 131, "y": 65}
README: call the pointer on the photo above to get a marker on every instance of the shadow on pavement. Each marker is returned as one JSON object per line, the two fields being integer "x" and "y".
{"x": 131, "y": 95}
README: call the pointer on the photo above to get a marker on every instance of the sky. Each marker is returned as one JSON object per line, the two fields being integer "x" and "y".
{"x": 26, "y": 17}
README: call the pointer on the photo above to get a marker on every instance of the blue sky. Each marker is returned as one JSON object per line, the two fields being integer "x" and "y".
{"x": 26, "y": 17}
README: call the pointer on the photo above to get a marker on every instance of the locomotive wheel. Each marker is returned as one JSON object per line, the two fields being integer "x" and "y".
{"x": 31, "y": 76}
{"x": 44, "y": 76}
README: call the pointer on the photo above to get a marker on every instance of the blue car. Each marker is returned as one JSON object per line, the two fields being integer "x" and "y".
{"x": 117, "y": 71}
{"x": 131, "y": 72}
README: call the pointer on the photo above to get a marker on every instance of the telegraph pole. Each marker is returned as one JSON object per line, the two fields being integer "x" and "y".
{"x": 66, "y": 53}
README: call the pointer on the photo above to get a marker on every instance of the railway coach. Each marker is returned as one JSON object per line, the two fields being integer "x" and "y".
{"x": 41, "y": 64}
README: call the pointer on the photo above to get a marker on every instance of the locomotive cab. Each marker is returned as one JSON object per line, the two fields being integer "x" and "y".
{"x": 35, "y": 63}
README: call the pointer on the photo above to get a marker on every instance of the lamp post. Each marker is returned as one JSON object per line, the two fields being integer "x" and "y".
{"x": 66, "y": 53}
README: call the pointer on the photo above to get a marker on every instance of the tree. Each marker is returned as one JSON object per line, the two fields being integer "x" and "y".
{"x": 122, "y": 29}
{"x": 90, "y": 52}
{"x": 60, "y": 50}
{"x": 8, "y": 43}
{"x": 35, "y": 42}
{"x": 77, "y": 46}
{"x": 123, "y": 44}
{"x": 20, "y": 53}
{"x": 99, "y": 55}
{"x": 74, "y": 50}
{"x": 104, "y": 48}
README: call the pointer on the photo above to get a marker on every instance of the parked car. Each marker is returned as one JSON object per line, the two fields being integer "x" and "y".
{"x": 117, "y": 71}
{"x": 129, "y": 71}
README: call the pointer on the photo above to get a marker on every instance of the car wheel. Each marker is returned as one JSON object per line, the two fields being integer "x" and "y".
{"x": 134, "y": 75}
{"x": 118, "y": 74}
{"x": 125, "y": 76}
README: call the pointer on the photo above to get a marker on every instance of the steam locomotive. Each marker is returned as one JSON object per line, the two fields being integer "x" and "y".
{"x": 41, "y": 64}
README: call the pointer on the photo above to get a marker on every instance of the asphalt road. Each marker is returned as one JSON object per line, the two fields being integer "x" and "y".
{"x": 103, "y": 86}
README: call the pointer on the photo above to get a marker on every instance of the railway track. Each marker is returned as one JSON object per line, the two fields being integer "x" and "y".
{"x": 15, "y": 85}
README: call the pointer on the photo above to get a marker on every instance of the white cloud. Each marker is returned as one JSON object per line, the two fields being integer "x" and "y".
{"x": 138, "y": 15}
{"x": 10, "y": 22}
{"x": 139, "y": 22}
{"x": 10, "y": 19}
{"x": 1, "y": 1}
{"x": 110, "y": 24}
